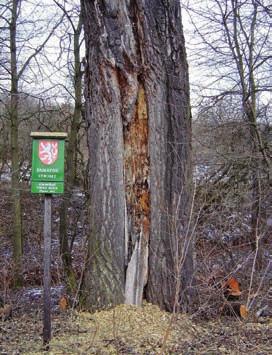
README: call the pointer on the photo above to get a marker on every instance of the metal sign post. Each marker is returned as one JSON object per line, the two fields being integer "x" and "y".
{"x": 47, "y": 178}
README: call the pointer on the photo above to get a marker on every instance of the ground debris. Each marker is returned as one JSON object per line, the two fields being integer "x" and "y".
{"x": 134, "y": 330}
{"x": 125, "y": 329}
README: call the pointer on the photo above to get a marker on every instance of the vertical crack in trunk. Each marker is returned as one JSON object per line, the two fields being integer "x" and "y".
{"x": 139, "y": 161}
{"x": 136, "y": 176}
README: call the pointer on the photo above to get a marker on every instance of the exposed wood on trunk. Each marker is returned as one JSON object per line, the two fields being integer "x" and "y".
{"x": 137, "y": 108}
{"x": 136, "y": 174}
{"x": 137, "y": 271}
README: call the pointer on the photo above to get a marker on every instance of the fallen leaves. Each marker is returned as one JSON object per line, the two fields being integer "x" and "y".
{"x": 243, "y": 311}
{"x": 63, "y": 303}
{"x": 232, "y": 287}
{"x": 235, "y": 309}
{"x": 5, "y": 312}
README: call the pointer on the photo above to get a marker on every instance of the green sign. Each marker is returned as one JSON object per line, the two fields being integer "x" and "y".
{"x": 47, "y": 163}
{"x": 47, "y": 187}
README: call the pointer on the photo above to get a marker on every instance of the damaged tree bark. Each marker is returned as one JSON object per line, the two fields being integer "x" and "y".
{"x": 136, "y": 176}
{"x": 139, "y": 137}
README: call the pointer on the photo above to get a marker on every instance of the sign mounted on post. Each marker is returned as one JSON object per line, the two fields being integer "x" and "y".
{"x": 48, "y": 162}
{"x": 47, "y": 178}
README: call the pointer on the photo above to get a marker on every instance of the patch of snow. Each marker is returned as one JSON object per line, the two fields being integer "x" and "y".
{"x": 79, "y": 194}
{"x": 269, "y": 221}
{"x": 200, "y": 172}
{"x": 34, "y": 293}
{"x": 5, "y": 177}
{"x": 37, "y": 292}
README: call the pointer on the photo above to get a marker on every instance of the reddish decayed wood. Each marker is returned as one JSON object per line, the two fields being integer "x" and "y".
{"x": 137, "y": 165}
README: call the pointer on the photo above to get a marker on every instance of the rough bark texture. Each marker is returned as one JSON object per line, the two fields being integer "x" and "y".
{"x": 171, "y": 255}
{"x": 137, "y": 108}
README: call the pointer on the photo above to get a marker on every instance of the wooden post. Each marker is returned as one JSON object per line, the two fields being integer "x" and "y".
{"x": 46, "y": 270}
{"x": 47, "y": 157}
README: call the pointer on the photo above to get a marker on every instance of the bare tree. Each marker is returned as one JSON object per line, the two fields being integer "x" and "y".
{"x": 234, "y": 38}
{"x": 22, "y": 51}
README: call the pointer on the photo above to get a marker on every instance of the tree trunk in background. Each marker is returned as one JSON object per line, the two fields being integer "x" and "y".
{"x": 139, "y": 138}
{"x": 247, "y": 59}
{"x": 15, "y": 169}
{"x": 71, "y": 158}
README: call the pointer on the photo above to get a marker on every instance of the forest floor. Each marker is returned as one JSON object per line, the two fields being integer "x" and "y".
{"x": 131, "y": 330}
{"x": 123, "y": 329}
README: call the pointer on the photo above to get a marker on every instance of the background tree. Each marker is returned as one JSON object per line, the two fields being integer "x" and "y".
{"x": 234, "y": 38}
{"x": 19, "y": 42}
{"x": 139, "y": 138}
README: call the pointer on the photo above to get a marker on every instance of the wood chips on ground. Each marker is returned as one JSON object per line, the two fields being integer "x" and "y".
{"x": 132, "y": 330}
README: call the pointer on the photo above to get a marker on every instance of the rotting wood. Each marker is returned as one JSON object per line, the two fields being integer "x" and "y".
{"x": 136, "y": 175}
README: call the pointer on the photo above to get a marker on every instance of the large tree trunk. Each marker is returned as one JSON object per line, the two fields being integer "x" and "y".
{"x": 139, "y": 136}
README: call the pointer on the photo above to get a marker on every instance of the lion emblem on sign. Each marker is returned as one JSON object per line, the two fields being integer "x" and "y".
{"x": 48, "y": 151}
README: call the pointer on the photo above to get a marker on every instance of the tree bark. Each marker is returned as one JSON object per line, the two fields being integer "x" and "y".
{"x": 139, "y": 137}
